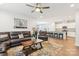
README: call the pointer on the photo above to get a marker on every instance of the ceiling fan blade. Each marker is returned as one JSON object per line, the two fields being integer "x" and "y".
{"x": 29, "y": 5}
{"x": 44, "y": 7}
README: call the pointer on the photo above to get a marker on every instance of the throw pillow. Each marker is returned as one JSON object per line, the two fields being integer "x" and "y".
{"x": 21, "y": 36}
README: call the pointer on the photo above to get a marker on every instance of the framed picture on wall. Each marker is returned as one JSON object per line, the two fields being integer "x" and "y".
{"x": 20, "y": 23}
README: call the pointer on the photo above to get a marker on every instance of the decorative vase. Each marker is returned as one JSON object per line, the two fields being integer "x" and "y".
{"x": 33, "y": 39}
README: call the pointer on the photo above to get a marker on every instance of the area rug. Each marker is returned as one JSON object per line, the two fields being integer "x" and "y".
{"x": 47, "y": 50}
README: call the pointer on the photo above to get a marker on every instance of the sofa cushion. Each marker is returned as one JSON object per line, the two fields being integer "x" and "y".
{"x": 15, "y": 41}
{"x": 7, "y": 42}
{"x": 14, "y": 35}
{"x": 25, "y": 36}
{"x": 4, "y": 37}
{"x": 42, "y": 33}
{"x": 24, "y": 39}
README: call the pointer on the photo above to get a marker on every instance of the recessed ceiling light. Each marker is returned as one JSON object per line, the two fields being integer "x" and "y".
{"x": 72, "y": 5}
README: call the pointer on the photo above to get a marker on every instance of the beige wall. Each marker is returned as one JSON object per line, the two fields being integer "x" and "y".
{"x": 7, "y": 22}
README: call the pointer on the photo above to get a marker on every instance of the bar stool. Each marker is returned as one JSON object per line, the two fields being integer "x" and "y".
{"x": 52, "y": 35}
{"x": 56, "y": 35}
{"x": 49, "y": 34}
{"x": 60, "y": 35}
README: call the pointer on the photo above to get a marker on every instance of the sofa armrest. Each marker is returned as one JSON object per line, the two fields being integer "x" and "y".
{"x": 2, "y": 48}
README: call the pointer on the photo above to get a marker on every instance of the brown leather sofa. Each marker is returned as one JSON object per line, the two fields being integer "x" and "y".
{"x": 11, "y": 39}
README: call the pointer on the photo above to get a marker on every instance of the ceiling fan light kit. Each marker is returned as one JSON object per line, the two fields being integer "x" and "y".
{"x": 37, "y": 10}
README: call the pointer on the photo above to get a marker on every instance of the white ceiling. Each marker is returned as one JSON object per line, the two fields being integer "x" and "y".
{"x": 56, "y": 10}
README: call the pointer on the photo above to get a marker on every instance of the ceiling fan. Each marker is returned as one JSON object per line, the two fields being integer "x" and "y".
{"x": 38, "y": 7}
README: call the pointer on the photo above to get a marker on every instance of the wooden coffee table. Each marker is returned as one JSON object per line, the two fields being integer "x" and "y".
{"x": 29, "y": 45}
{"x": 37, "y": 44}
{"x": 32, "y": 44}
